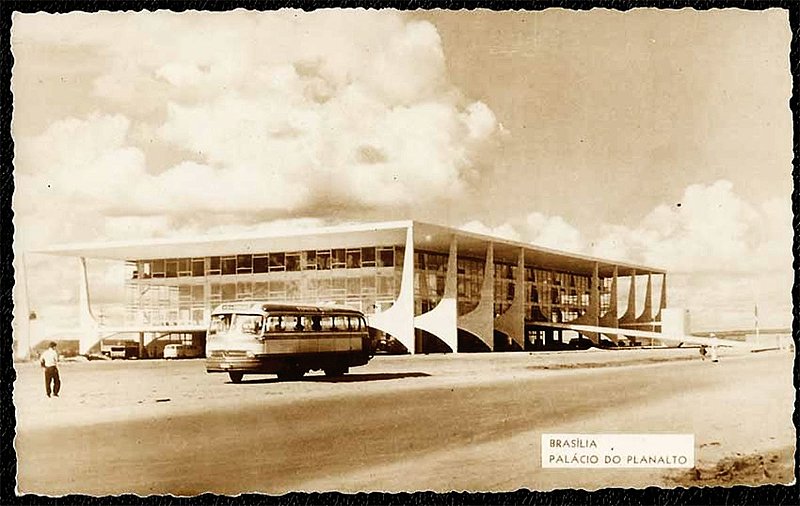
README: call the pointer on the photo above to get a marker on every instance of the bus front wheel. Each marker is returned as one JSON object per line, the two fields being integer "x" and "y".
{"x": 236, "y": 377}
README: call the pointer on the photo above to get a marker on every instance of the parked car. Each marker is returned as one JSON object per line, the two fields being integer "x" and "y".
{"x": 607, "y": 343}
{"x": 176, "y": 351}
{"x": 390, "y": 346}
{"x": 580, "y": 343}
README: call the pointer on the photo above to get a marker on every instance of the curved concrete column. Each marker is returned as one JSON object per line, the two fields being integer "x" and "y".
{"x": 662, "y": 304}
{"x": 398, "y": 320}
{"x": 441, "y": 321}
{"x": 647, "y": 313}
{"x": 611, "y": 317}
{"x": 630, "y": 311}
{"x": 480, "y": 321}
{"x": 512, "y": 322}
{"x": 90, "y": 334}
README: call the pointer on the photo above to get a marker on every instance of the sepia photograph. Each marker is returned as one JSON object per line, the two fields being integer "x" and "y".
{"x": 374, "y": 250}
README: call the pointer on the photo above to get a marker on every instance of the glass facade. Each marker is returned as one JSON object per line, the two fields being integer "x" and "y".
{"x": 175, "y": 291}
{"x": 550, "y": 295}
{"x": 557, "y": 296}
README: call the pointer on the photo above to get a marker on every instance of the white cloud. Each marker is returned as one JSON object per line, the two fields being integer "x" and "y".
{"x": 505, "y": 231}
{"x": 709, "y": 231}
{"x": 292, "y": 113}
{"x": 350, "y": 107}
{"x": 722, "y": 254}
{"x": 480, "y": 120}
{"x": 553, "y": 232}
{"x": 713, "y": 230}
{"x": 274, "y": 114}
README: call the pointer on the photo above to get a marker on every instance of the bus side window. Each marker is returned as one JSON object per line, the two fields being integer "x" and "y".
{"x": 275, "y": 324}
{"x": 339, "y": 323}
{"x": 328, "y": 324}
{"x": 355, "y": 323}
{"x": 316, "y": 323}
{"x": 298, "y": 324}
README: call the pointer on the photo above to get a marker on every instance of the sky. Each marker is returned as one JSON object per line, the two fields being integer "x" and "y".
{"x": 650, "y": 136}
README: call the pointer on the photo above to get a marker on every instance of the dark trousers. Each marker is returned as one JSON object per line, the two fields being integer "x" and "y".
{"x": 51, "y": 375}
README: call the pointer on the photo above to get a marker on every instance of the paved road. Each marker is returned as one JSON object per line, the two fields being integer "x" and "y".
{"x": 323, "y": 442}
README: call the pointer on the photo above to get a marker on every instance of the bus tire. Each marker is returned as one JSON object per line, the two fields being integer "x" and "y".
{"x": 236, "y": 376}
{"x": 334, "y": 372}
{"x": 291, "y": 374}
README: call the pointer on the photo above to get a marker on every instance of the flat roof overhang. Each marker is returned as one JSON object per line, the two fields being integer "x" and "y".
{"x": 437, "y": 238}
{"x": 427, "y": 237}
{"x": 344, "y": 236}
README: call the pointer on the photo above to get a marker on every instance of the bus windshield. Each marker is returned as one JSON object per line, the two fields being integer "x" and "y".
{"x": 247, "y": 323}
{"x": 220, "y": 323}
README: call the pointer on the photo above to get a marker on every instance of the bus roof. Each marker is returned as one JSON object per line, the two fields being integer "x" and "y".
{"x": 283, "y": 307}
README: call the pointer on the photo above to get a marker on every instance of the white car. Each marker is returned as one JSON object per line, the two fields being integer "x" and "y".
{"x": 179, "y": 351}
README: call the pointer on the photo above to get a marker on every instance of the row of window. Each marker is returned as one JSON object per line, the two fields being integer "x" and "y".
{"x": 429, "y": 288}
{"x": 351, "y": 258}
{"x": 258, "y": 325}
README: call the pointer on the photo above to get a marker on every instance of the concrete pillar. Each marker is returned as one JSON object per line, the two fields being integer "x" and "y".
{"x": 512, "y": 322}
{"x": 441, "y": 321}
{"x": 662, "y": 304}
{"x": 630, "y": 312}
{"x": 480, "y": 321}
{"x": 90, "y": 333}
{"x": 398, "y": 320}
{"x": 611, "y": 318}
{"x": 647, "y": 312}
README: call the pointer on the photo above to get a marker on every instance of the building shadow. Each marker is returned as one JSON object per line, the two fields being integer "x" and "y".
{"x": 347, "y": 378}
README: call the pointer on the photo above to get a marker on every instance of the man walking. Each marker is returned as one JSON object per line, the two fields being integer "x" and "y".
{"x": 49, "y": 362}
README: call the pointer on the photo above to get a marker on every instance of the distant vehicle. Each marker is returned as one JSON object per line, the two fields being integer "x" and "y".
{"x": 121, "y": 351}
{"x": 285, "y": 339}
{"x": 176, "y": 351}
{"x": 580, "y": 343}
{"x": 607, "y": 343}
{"x": 390, "y": 346}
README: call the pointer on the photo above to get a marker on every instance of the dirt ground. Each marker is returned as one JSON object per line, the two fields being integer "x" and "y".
{"x": 739, "y": 410}
{"x": 753, "y": 469}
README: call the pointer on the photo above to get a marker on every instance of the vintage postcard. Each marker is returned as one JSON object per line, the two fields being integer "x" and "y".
{"x": 380, "y": 250}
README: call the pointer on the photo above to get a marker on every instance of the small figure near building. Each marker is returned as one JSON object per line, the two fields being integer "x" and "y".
{"x": 703, "y": 351}
{"x": 49, "y": 362}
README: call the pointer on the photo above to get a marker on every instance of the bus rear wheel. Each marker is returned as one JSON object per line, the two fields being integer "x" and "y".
{"x": 335, "y": 372}
{"x": 236, "y": 377}
{"x": 291, "y": 374}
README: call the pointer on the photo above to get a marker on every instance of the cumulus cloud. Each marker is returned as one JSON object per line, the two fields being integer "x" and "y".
{"x": 261, "y": 116}
{"x": 553, "y": 232}
{"x": 723, "y": 254}
{"x": 711, "y": 229}
{"x": 279, "y": 111}
{"x": 271, "y": 115}
{"x": 505, "y": 231}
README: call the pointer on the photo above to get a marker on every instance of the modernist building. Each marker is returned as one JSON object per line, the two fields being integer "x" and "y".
{"x": 430, "y": 287}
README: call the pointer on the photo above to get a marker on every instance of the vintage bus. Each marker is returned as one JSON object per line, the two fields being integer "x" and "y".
{"x": 285, "y": 339}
